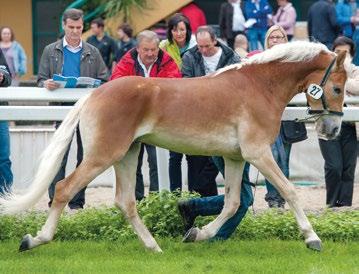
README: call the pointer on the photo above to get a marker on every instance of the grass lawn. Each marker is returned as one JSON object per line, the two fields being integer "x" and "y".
{"x": 232, "y": 256}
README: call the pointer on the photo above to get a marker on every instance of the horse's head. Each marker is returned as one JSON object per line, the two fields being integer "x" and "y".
{"x": 325, "y": 95}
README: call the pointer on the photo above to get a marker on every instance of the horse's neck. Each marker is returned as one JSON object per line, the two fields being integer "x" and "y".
{"x": 283, "y": 80}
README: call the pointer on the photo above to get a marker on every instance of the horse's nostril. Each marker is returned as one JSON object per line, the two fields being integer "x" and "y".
{"x": 335, "y": 130}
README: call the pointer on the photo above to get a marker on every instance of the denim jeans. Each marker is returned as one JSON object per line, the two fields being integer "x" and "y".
{"x": 356, "y": 41}
{"x": 256, "y": 35}
{"x": 340, "y": 158}
{"x": 79, "y": 199}
{"x": 281, "y": 156}
{"x": 152, "y": 163}
{"x": 213, "y": 205}
{"x": 6, "y": 176}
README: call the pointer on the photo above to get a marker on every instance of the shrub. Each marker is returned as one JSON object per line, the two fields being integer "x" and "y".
{"x": 160, "y": 215}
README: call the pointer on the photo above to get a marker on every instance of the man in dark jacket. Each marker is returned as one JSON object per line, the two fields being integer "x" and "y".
{"x": 146, "y": 60}
{"x": 231, "y": 20}
{"x": 208, "y": 56}
{"x": 322, "y": 22}
{"x": 6, "y": 176}
{"x": 104, "y": 43}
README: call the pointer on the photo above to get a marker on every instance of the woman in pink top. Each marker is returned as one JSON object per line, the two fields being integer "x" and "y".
{"x": 285, "y": 17}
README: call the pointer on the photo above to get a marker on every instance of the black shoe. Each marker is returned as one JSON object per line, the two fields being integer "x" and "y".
{"x": 184, "y": 208}
{"x": 76, "y": 207}
{"x": 275, "y": 204}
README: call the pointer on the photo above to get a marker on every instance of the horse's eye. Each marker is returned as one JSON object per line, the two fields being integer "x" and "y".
{"x": 337, "y": 90}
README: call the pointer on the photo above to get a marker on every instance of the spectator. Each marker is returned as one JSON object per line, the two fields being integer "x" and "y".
{"x": 340, "y": 155}
{"x": 126, "y": 40}
{"x": 204, "y": 58}
{"x": 146, "y": 60}
{"x": 104, "y": 43}
{"x": 6, "y": 176}
{"x": 195, "y": 16}
{"x": 179, "y": 37}
{"x": 194, "y": 64}
{"x": 14, "y": 54}
{"x": 356, "y": 39}
{"x": 345, "y": 17}
{"x": 259, "y": 11}
{"x": 322, "y": 22}
{"x": 179, "y": 40}
{"x": 274, "y": 36}
{"x": 70, "y": 56}
{"x": 286, "y": 17}
{"x": 241, "y": 45}
{"x": 231, "y": 21}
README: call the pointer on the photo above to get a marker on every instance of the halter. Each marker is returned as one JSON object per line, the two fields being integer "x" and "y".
{"x": 325, "y": 111}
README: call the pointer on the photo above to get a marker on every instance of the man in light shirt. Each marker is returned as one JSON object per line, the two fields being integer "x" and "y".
{"x": 70, "y": 56}
{"x": 208, "y": 56}
{"x": 231, "y": 21}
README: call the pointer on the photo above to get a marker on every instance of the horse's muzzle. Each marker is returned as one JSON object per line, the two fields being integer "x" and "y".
{"x": 328, "y": 127}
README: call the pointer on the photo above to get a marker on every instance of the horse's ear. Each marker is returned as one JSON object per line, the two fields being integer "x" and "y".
{"x": 339, "y": 64}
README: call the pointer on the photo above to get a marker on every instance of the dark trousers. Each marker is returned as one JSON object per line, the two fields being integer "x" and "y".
{"x": 340, "y": 157}
{"x": 152, "y": 163}
{"x": 202, "y": 175}
{"x": 78, "y": 200}
{"x": 175, "y": 170}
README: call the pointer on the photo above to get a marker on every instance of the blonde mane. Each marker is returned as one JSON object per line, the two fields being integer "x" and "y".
{"x": 297, "y": 51}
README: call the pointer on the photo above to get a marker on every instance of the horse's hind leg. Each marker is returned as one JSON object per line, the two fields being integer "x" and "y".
{"x": 234, "y": 173}
{"x": 125, "y": 171}
{"x": 66, "y": 189}
{"x": 269, "y": 168}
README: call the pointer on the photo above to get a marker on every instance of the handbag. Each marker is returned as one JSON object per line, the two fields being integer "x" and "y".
{"x": 293, "y": 132}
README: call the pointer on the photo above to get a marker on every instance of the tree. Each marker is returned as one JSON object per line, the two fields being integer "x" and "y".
{"x": 114, "y": 7}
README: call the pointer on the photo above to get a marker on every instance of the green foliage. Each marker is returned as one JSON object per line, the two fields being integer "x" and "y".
{"x": 113, "y": 7}
{"x": 160, "y": 215}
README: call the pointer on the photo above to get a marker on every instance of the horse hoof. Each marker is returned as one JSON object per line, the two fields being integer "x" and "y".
{"x": 25, "y": 243}
{"x": 315, "y": 245}
{"x": 190, "y": 235}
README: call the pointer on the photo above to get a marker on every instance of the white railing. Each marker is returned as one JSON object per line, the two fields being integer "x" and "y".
{"x": 51, "y": 113}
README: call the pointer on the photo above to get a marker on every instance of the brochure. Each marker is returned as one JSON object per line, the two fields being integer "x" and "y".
{"x": 76, "y": 82}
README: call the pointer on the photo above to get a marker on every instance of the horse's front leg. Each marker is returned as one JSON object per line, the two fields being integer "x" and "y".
{"x": 233, "y": 179}
{"x": 269, "y": 168}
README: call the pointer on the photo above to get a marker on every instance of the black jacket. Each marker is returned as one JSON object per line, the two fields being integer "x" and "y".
{"x": 4, "y": 69}
{"x": 192, "y": 61}
{"x": 226, "y": 19}
{"x": 322, "y": 22}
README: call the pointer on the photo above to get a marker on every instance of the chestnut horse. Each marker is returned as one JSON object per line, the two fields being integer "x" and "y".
{"x": 234, "y": 113}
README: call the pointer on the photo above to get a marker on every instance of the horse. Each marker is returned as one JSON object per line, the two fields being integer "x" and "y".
{"x": 234, "y": 113}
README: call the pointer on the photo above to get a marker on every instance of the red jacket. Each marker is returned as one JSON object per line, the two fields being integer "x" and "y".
{"x": 164, "y": 67}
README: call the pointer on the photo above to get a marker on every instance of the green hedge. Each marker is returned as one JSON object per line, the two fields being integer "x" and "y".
{"x": 159, "y": 212}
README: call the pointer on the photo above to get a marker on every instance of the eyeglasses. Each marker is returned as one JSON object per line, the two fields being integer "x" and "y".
{"x": 276, "y": 37}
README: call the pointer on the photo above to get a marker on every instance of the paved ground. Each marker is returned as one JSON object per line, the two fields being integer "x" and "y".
{"x": 312, "y": 198}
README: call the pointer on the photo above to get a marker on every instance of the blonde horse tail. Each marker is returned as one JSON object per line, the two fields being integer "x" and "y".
{"x": 50, "y": 161}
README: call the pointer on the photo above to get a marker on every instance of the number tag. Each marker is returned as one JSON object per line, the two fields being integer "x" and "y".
{"x": 315, "y": 91}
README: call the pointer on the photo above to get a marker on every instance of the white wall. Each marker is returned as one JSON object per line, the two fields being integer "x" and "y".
{"x": 306, "y": 162}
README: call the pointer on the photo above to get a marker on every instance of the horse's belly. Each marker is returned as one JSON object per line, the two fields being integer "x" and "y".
{"x": 204, "y": 143}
